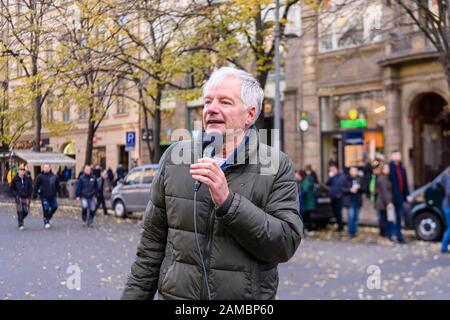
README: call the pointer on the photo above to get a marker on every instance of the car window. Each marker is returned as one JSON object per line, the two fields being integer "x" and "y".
{"x": 133, "y": 178}
{"x": 149, "y": 173}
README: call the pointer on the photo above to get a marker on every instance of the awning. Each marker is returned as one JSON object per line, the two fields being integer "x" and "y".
{"x": 38, "y": 158}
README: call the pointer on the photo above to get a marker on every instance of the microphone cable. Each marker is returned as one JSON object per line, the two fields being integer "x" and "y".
{"x": 205, "y": 273}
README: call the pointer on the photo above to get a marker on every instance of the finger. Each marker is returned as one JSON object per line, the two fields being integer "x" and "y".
{"x": 203, "y": 179}
{"x": 204, "y": 172}
{"x": 204, "y": 165}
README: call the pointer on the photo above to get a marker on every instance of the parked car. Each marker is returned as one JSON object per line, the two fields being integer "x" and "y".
{"x": 323, "y": 215}
{"x": 425, "y": 214}
{"x": 133, "y": 192}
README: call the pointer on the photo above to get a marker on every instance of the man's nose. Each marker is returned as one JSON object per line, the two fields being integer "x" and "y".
{"x": 213, "y": 107}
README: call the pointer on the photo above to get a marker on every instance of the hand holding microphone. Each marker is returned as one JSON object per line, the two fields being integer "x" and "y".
{"x": 208, "y": 172}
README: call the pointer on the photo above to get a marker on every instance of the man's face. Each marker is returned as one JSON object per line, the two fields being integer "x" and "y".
{"x": 223, "y": 108}
{"x": 353, "y": 172}
{"x": 333, "y": 170}
{"x": 87, "y": 170}
{"x": 21, "y": 172}
{"x": 396, "y": 157}
{"x": 46, "y": 168}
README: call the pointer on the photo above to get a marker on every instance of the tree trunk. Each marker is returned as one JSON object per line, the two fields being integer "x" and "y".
{"x": 37, "y": 122}
{"x": 157, "y": 152}
{"x": 262, "y": 79}
{"x": 90, "y": 138}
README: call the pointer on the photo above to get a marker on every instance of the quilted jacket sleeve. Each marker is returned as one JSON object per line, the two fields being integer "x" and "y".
{"x": 143, "y": 280}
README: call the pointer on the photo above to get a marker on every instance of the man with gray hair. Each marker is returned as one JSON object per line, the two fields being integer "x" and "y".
{"x": 218, "y": 228}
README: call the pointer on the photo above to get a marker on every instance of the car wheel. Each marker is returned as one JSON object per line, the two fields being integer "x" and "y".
{"x": 119, "y": 209}
{"x": 428, "y": 226}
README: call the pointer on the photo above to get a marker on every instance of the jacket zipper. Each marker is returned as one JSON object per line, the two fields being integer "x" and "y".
{"x": 208, "y": 246}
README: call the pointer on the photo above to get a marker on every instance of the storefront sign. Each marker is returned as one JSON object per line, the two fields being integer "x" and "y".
{"x": 357, "y": 123}
{"x": 354, "y": 138}
{"x": 354, "y": 121}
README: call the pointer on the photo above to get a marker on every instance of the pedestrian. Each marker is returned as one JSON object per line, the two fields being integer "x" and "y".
{"x": 86, "y": 192}
{"x": 97, "y": 171}
{"x": 47, "y": 186}
{"x": 352, "y": 189}
{"x": 103, "y": 186}
{"x": 22, "y": 189}
{"x": 334, "y": 184}
{"x": 67, "y": 174}
{"x": 383, "y": 202}
{"x": 400, "y": 190}
{"x": 309, "y": 200}
{"x": 11, "y": 174}
{"x": 223, "y": 237}
{"x": 445, "y": 181}
{"x": 120, "y": 172}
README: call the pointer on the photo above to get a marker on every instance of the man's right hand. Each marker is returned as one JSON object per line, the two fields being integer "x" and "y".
{"x": 78, "y": 198}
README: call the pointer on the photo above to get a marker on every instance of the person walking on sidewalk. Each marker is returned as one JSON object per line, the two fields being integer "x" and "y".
{"x": 400, "y": 190}
{"x": 352, "y": 190}
{"x": 47, "y": 186}
{"x": 87, "y": 190}
{"x": 334, "y": 184}
{"x": 383, "y": 202}
{"x": 103, "y": 185}
{"x": 445, "y": 181}
{"x": 22, "y": 189}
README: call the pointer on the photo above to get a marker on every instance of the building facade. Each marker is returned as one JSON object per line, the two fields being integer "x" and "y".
{"x": 367, "y": 84}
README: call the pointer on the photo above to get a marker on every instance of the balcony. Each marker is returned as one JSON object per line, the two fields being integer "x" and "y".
{"x": 409, "y": 47}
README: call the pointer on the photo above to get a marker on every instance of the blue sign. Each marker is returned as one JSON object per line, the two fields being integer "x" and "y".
{"x": 354, "y": 138}
{"x": 130, "y": 139}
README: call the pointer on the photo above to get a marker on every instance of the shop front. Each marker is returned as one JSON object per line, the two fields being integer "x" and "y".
{"x": 352, "y": 129}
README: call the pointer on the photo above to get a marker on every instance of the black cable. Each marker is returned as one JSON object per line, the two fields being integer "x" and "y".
{"x": 205, "y": 273}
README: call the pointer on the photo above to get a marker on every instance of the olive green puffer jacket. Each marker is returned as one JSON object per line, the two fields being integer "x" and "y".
{"x": 242, "y": 241}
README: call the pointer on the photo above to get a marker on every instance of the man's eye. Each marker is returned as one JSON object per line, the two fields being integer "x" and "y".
{"x": 226, "y": 102}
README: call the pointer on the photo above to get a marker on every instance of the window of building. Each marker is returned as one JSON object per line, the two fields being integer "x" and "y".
{"x": 195, "y": 118}
{"x": 66, "y": 114}
{"x": 83, "y": 112}
{"x": 345, "y": 25}
{"x": 121, "y": 105}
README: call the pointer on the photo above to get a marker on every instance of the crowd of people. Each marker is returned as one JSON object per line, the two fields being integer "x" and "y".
{"x": 384, "y": 184}
{"x": 93, "y": 187}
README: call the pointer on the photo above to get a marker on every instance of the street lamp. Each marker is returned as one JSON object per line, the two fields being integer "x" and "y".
{"x": 277, "y": 106}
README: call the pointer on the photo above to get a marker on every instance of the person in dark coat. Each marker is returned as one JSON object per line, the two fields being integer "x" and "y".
{"x": 352, "y": 190}
{"x": 223, "y": 239}
{"x": 22, "y": 190}
{"x": 383, "y": 203}
{"x": 400, "y": 190}
{"x": 335, "y": 192}
{"x": 86, "y": 192}
{"x": 47, "y": 186}
{"x": 306, "y": 197}
{"x": 103, "y": 184}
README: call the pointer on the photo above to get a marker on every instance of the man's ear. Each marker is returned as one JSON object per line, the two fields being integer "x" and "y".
{"x": 251, "y": 114}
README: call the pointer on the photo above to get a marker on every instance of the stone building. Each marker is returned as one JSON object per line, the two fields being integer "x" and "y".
{"x": 367, "y": 83}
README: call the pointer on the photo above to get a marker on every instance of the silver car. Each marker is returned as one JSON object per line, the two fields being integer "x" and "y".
{"x": 133, "y": 192}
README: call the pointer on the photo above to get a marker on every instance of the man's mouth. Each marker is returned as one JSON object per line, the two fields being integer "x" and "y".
{"x": 209, "y": 122}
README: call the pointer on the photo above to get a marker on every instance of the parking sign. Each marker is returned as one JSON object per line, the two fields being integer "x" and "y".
{"x": 130, "y": 139}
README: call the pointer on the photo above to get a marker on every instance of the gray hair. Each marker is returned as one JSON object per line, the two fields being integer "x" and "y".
{"x": 251, "y": 92}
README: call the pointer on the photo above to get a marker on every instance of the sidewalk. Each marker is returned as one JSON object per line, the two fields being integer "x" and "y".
{"x": 61, "y": 201}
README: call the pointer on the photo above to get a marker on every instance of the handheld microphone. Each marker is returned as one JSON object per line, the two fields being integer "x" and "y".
{"x": 212, "y": 143}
